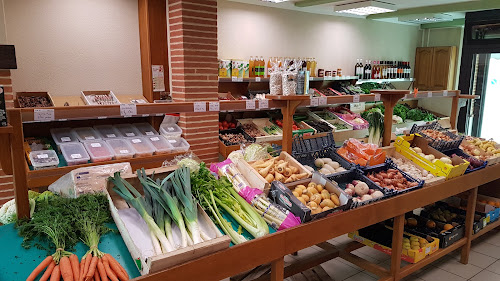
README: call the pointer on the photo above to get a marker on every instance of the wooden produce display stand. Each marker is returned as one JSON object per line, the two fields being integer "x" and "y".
{"x": 274, "y": 247}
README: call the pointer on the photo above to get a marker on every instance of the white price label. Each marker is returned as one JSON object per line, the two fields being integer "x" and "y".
{"x": 377, "y": 97}
{"x": 429, "y": 94}
{"x": 90, "y": 138}
{"x": 355, "y": 98}
{"x": 43, "y": 114}
{"x": 130, "y": 134}
{"x": 358, "y": 107}
{"x": 65, "y": 139}
{"x": 214, "y": 106}
{"x": 102, "y": 117}
{"x": 240, "y": 79}
{"x": 96, "y": 144}
{"x": 445, "y": 93}
{"x": 257, "y": 79}
{"x": 155, "y": 139}
{"x": 76, "y": 156}
{"x": 136, "y": 141}
{"x": 170, "y": 129}
{"x": 123, "y": 151}
{"x": 314, "y": 101}
{"x": 172, "y": 141}
{"x": 42, "y": 156}
{"x": 149, "y": 133}
{"x": 111, "y": 135}
{"x": 250, "y": 104}
{"x": 234, "y": 79}
{"x": 263, "y": 104}
{"x": 427, "y": 250}
{"x": 200, "y": 106}
{"x": 127, "y": 110}
{"x": 323, "y": 101}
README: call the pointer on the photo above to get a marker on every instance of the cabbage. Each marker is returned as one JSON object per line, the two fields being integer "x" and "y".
{"x": 255, "y": 152}
{"x": 235, "y": 155}
{"x": 193, "y": 166}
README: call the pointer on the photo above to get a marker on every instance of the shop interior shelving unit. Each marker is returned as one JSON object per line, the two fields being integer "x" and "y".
{"x": 272, "y": 248}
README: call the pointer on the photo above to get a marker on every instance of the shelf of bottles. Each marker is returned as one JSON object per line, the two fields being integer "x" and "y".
{"x": 382, "y": 70}
{"x": 361, "y": 81}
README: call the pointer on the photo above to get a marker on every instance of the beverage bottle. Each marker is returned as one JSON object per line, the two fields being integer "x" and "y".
{"x": 268, "y": 66}
{"x": 251, "y": 70}
{"x": 374, "y": 70}
{"x": 313, "y": 67}
{"x": 262, "y": 65}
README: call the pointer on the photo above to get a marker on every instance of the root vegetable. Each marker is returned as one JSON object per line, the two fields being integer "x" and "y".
{"x": 327, "y": 202}
{"x": 265, "y": 171}
{"x": 295, "y": 194}
{"x": 335, "y": 165}
{"x": 305, "y": 197}
{"x": 325, "y": 171}
{"x": 292, "y": 178}
{"x": 302, "y": 187}
{"x": 349, "y": 192}
{"x": 279, "y": 177}
{"x": 366, "y": 197}
{"x": 377, "y": 194}
{"x": 301, "y": 176}
{"x": 312, "y": 190}
{"x": 298, "y": 190}
{"x": 326, "y": 208}
{"x": 330, "y": 168}
{"x": 301, "y": 199}
{"x": 288, "y": 172}
{"x": 417, "y": 149}
{"x": 312, "y": 205}
{"x": 361, "y": 188}
{"x": 340, "y": 169}
{"x": 325, "y": 194}
{"x": 316, "y": 198}
{"x": 335, "y": 199}
{"x": 319, "y": 163}
{"x": 350, "y": 186}
{"x": 316, "y": 210}
{"x": 312, "y": 184}
{"x": 319, "y": 188}
{"x": 446, "y": 160}
{"x": 269, "y": 178}
{"x": 281, "y": 167}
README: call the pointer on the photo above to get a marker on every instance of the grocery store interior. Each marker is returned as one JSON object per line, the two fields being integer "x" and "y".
{"x": 239, "y": 140}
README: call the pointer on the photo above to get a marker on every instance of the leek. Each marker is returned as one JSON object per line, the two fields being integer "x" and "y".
{"x": 376, "y": 120}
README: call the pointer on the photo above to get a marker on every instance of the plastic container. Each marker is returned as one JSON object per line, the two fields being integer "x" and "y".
{"x": 44, "y": 159}
{"x": 74, "y": 153}
{"x": 108, "y": 132}
{"x": 99, "y": 151}
{"x": 180, "y": 145}
{"x": 142, "y": 146}
{"x": 390, "y": 165}
{"x": 128, "y": 130}
{"x": 440, "y": 145}
{"x": 122, "y": 149}
{"x": 170, "y": 131}
{"x": 86, "y": 134}
{"x": 161, "y": 144}
{"x": 146, "y": 129}
{"x": 63, "y": 135}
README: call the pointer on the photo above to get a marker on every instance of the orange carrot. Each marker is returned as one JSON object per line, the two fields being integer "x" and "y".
{"x": 86, "y": 267}
{"x": 109, "y": 271}
{"x": 96, "y": 276}
{"x": 56, "y": 274}
{"x": 117, "y": 267}
{"x": 93, "y": 264}
{"x": 39, "y": 268}
{"x": 102, "y": 271}
{"x": 47, "y": 272}
{"x": 65, "y": 267}
{"x": 73, "y": 259}
{"x": 82, "y": 264}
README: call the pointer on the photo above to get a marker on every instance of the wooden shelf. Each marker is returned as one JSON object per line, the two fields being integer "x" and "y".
{"x": 485, "y": 230}
{"x": 6, "y": 130}
{"x": 266, "y": 79}
{"x": 332, "y": 78}
{"x": 432, "y": 94}
{"x": 45, "y": 177}
{"x": 360, "y": 81}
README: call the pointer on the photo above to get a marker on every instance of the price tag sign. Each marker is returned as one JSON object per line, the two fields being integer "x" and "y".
{"x": 136, "y": 141}
{"x": 234, "y": 79}
{"x": 377, "y": 97}
{"x": 357, "y": 107}
{"x": 250, "y": 104}
{"x": 89, "y": 138}
{"x": 257, "y": 79}
{"x": 149, "y": 133}
{"x": 214, "y": 106}
{"x": 323, "y": 101}
{"x": 355, "y": 98}
{"x": 314, "y": 101}
{"x": 42, "y": 156}
{"x": 43, "y": 114}
{"x": 95, "y": 144}
{"x": 111, "y": 135}
{"x": 76, "y": 156}
{"x": 200, "y": 106}
{"x": 102, "y": 117}
{"x": 155, "y": 139}
{"x": 240, "y": 79}
{"x": 145, "y": 115}
{"x": 429, "y": 94}
{"x": 263, "y": 104}
{"x": 65, "y": 139}
{"x": 127, "y": 110}
{"x": 123, "y": 151}
{"x": 445, "y": 93}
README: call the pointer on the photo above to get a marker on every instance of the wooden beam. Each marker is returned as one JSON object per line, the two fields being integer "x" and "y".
{"x": 278, "y": 269}
{"x": 469, "y": 225}
{"x": 397, "y": 246}
{"x": 153, "y": 42}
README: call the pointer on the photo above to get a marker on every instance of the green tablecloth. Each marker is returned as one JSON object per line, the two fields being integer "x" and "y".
{"x": 16, "y": 263}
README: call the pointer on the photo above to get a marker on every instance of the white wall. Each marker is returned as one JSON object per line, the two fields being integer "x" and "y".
{"x": 65, "y": 46}
{"x": 335, "y": 42}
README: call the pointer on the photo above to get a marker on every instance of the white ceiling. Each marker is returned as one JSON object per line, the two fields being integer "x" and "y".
{"x": 327, "y": 9}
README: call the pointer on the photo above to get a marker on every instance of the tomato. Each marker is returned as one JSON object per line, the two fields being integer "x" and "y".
{"x": 232, "y": 126}
{"x": 221, "y": 128}
{"x": 224, "y": 123}
{"x": 220, "y": 123}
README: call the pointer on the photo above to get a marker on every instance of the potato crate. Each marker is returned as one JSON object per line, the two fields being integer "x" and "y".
{"x": 438, "y": 144}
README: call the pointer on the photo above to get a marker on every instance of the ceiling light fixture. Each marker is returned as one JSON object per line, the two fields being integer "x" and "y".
{"x": 364, "y": 8}
{"x": 275, "y": 1}
{"x": 425, "y": 18}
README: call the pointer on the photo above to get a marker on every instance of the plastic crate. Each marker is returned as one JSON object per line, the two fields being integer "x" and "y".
{"x": 390, "y": 165}
{"x": 342, "y": 179}
{"x": 460, "y": 152}
{"x": 308, "y": 158}
{"x": 301, "y": 145}
{"x": 438, "y": 144}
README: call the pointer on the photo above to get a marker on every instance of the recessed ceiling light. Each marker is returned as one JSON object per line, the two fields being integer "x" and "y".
{"x": 274, "y": 1}
{"x": 364, "y": 8}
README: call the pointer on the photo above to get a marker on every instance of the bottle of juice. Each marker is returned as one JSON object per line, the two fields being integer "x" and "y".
{"x": 251, "y": 68}
{"x": 313, "y": 67}
{"x": 268, "y": 66}
{"x": 262, "y": 65}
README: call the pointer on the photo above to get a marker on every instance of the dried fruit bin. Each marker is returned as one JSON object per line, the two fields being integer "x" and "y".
{"x": 122, "y": 148}
{"x": 43, "y": 159}
{"x": 99, "y": 151}
{"x": 74, "y": 153}
{"x": 63, "y": 135}
{"x": 142, "y": 146}
{"x": 344, "y": 178}
{"x": 390, "y": 165}
{"x": 180, "y": 145}
{"x": 439, "y": 168}
{"x": 461, "y": 153}
{"x": 170, "y": 131}
{"x": 108, "y": 132}
{"x": 161, "y": 144}
{"x": 145, "y": 129}
{"x": 99, "y": 98}
{"x": 379, "y": 237}
{"x": 235, "y": 131}
{"x": 33, "y": 99}
{"x": 128, "y": 130}
{"x": 86, "y": 134}
{"x": 438, "y": 144}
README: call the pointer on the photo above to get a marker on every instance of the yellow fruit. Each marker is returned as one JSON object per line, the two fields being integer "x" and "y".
{"x": 406, "y": 240}
{"x": 406, "y": 246}
{"x": 416, "y": 247}
{"x": 413, "y": 238}
{"x": 422, "y": 241}
{"x": 415, "y": 243}
{"x": 305, "y": 197}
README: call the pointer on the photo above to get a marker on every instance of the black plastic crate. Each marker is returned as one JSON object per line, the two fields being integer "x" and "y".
{"x": 344, "y": 178}
{"x": 235, "y": 131}
{"x": 301, "y": 145}
{"x": 460, "y": 152}
{"x": 390, "y": 165}
{"x": 438, "y": 144}
{"x": 479, "y": 219}
{"x": 308, "y": 158}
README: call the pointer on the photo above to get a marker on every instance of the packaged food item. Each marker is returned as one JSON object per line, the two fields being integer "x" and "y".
{"x": 180, "y": 145}
{"x": 146, "y": 129}
{"x": 239, "y": 68}
{"x": 122, "y": 149}
{"x": 43, "y": 159}
{"x": 63, "y": 135}
{"x": 35, "y": 144}
{"x": 108, "y": 132}
{"x": 170, "y": 131}
{"x": 321, "y": 72}
{"x": 142, "y": 146}
{"x": 364, "y": 154}
{"x": 86, "y": 133}
{"x": 161, "y": 145}
{"x": 99, "y": 151}
{"x": 128, "y": 130}
{"x": 225, "y": 68}
{"x": 74, "y": 153}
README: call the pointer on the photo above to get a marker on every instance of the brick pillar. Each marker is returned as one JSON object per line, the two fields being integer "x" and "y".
{"x": 194, "y": 68}
{"x": 6, "y": 181}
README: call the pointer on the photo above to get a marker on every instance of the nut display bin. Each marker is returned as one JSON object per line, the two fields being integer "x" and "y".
{"x": 44, "y": 159}
{"x": 99, "y": 151}
{"x": 161, "y": 144}
{"x": 128, "y": 130}
{"x": 146, "y": 129}
{"x": 170, "y": 131}
{"x": 142, "y": 146}
{"x": 86, "y": 134}
{"x": 108, "y": 132}
{"x": 180, "y": 145}
{"x": 121, "y": 148}
{"x": 74, "y": 153}
{"x": 63, "y": 135}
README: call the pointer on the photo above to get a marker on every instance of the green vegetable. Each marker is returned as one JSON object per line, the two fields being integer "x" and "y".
{"x": 255, "y": 152}
{"x": 401, "y": 110}
{"x": 376, "y": 120}
{"x": 417, "y": 114}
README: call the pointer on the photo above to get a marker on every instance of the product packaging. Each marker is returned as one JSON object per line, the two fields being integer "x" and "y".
{"x": 225, "y": 68}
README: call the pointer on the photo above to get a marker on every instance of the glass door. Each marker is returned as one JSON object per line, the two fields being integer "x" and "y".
{"x": 488, "y": 118}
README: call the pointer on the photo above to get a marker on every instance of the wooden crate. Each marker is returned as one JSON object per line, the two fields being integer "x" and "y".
{"x": 86, "y": 96}
{"x": 155, "y": 263}
{"x": 33, "y": 94}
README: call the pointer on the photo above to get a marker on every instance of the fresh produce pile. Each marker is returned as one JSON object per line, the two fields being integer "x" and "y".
{"x": 436, "y": 135}
{"x": 414, "y": 243}
{"x": 480, "y": 148}
{"x": 328, "y": 92}
{"x": 295, "y": 126}
{"x": 252, "y": 130}
{"x": 340, "y": 126}
{"x": 231, "y": 139}
{"x": 474, "y": 163}
{"x": 319, "y": 126}
{"x": 316, "y": 197}
{"x": 495, "y": 204}
{"x": 324, "y": 115}
{"x": 419, "y": 114}
{"x": 57, "y": 225}
{"x": 362, "y": 154}
{"x": 275, "y": 169}
{"x": 430, "y": 157}
{"x": 391, "y": 179}
{"x": 409, "y": 167}
{"x": 326, "y": 166}
{"x": 272, "y": 130}
{"x": 429, "y": 224}
{"x": 366, "y": 87}
{"x": 443, "y": 215}
{"x": 401, "y": 110}
{"x": 224, "y": 125}
{"x": 360, "y": 191}
{"x": 33, "y": 101}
